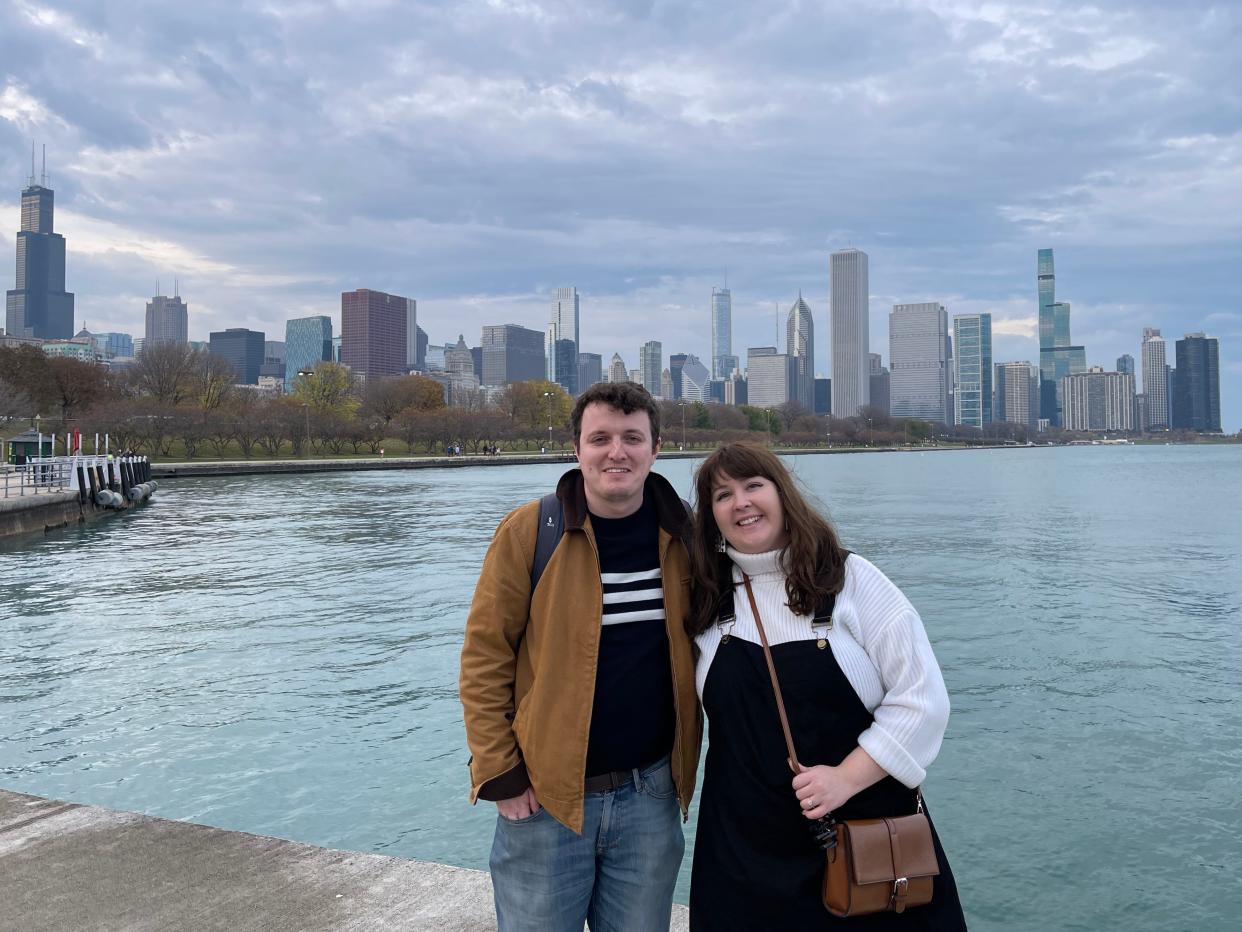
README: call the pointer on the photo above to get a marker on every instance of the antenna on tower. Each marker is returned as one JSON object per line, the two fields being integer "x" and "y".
{"x": 43, "y": 175}
{"x": 176, "y": 288}
{"x": 157, "y": 287}
{"x": 32, "y": 174}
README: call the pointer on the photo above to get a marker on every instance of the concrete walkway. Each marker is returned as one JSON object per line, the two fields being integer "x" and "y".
{"x": 68, "y": 867}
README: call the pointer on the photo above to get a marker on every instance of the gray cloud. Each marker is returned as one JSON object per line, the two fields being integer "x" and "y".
{"x": 476, "y": 154}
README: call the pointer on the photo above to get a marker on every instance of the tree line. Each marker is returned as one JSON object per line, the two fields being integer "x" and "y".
{"x": 180, "y": 401}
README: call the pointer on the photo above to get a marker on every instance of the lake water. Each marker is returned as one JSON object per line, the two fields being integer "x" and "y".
{"x": 279, "y": 655}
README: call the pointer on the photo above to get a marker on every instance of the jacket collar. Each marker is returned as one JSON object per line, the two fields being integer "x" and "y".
{"x": 670, "y": 511}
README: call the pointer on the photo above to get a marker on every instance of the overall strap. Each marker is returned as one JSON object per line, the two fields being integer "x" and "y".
{"x": 776, "y": 683}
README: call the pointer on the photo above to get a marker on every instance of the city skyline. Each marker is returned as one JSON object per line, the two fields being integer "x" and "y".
{"x": 269, "y": 188}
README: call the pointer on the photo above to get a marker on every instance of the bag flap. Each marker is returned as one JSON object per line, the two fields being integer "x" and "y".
{"x": 918, "y": 853}
{"x": 871, "y": 850}
{"x": 870, "y": 854}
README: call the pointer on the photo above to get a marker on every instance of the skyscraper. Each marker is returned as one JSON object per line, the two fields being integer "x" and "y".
{"x": 972, "y": 362}
{"x": 1196, "y": 404}
{"x": 1057, "y": 358}
{"x": 374, "y": 341}
{"x": 918, "y": 336}
{"x": 850, "y": 319}
{"x": 1155, "y": 380}
{"x": 590, "y": 370}
{"x": 616, "y": 369}
{"x": 1125, "y": 364}
{"x": 771, "y": 377}
{"x": 38, "y": 306}
{"x": 563, "y": 325}
{"x": 879, "y": 380}
{"x": 242, "y": 349}
{"x": 800, "y": 344}
{"x": 1016, "y": 397}
{"x": 675, "y": 363}
{"x": 168, "y": 321}
{"x": 413, "y": 359}
{"x": 651, "y": 365}
{"x": 512, "y": 354}
{"x": 308, "y": 340}
{"x": 695, "y": 380}
{"x": 723, "y": 360}
{"x": 1098, "y": 400}
{"x": 565, "y": 365}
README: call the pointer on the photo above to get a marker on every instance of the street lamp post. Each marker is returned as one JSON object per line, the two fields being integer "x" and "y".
{"x": 548, "y": 395}
{"x": 870, "y": 434}
{"x": 682, "y": 405}
{"x": 306, "y": 411}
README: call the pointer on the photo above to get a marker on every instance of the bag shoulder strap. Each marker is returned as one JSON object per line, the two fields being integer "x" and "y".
{"x": 551, "y": 527}
{"x": 776, "y": 683}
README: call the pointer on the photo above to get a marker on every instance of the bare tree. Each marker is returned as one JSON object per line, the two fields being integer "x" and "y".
{"x": 166, "y": 372}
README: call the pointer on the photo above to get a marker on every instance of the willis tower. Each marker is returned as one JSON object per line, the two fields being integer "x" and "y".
{"x": 39, "y": 306}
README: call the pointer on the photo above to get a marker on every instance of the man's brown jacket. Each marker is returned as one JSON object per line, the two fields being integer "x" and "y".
{"x": 528, "y": 662}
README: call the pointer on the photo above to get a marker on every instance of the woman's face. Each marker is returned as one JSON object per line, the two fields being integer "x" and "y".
{"x": 749, "y": 513}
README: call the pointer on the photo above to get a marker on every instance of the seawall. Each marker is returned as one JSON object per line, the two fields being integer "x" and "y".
{"x": 70, "y": 867}
{"x": 43, "y": 512}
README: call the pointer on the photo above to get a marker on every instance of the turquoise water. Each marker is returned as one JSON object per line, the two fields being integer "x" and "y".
{"x": 279, "y": 655}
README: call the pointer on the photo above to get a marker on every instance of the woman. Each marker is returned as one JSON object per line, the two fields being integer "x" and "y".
{"x": 865, "y": 700}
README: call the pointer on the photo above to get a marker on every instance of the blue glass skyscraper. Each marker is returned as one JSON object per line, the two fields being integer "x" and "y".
{"x": 972, "y": 360}
{"x": 308, "y": 340}
{"x": 1057, "y": 358}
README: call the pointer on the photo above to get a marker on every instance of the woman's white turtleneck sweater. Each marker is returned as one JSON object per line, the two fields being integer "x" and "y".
{"x": 877, "y": 639}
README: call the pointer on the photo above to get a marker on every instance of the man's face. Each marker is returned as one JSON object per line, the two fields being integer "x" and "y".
{"x": 615, "y": 452}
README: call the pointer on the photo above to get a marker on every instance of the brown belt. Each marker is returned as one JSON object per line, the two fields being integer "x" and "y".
{"x": 604, "y": 782}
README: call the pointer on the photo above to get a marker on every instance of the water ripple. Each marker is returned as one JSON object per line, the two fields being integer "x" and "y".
{"x": 279, "y": 655}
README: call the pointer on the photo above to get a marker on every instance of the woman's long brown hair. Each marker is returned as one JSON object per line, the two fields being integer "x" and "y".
{"x": 813, "y": 555}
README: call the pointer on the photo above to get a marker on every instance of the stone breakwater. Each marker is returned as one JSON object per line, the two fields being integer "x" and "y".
{"x": 70, "y": 867}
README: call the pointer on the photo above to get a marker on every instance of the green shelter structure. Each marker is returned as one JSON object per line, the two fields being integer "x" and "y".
{"x": 26, "y": 445}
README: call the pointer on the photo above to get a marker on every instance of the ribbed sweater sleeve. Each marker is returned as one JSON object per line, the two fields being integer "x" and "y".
{"x": 913, "y": 710}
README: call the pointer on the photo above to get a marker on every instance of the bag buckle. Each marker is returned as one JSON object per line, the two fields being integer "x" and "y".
{"x": 898, "y": 900}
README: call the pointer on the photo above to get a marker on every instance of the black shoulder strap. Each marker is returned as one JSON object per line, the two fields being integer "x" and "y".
{"x": 551, "y": 527}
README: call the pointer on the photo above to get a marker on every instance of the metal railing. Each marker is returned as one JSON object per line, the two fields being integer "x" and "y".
{"x": 33, "y": 478}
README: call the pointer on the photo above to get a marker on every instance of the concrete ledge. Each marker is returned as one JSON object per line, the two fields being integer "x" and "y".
{"x": 69, "y": 867}
{"x": 41, "y": 512}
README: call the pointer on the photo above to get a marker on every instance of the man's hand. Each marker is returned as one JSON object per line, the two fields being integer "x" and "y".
{"x": 519, "y": 807}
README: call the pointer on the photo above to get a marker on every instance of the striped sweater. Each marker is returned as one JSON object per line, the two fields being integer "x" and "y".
{"x": 878, "y": 641}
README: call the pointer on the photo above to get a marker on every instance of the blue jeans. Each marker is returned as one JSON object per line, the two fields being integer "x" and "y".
{"x": 618, "y": 875}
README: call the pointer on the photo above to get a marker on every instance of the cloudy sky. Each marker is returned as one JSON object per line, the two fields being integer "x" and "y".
{"x": 476, "y": 155}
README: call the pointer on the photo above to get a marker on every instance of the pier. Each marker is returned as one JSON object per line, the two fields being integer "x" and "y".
{"x": 70, "y": 867}
{"x": 46, "y": 493}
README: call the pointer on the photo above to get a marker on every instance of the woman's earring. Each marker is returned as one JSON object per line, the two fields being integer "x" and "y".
{"x": 720, "y": 543}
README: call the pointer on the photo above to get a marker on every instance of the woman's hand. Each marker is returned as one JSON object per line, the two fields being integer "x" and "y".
{"x": 822, "y": 789}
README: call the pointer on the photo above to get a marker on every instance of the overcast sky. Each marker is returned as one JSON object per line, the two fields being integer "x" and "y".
{"x": 476, "y": 155}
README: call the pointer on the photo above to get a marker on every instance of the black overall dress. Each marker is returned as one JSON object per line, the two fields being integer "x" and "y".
{"x": 756, "y": 865}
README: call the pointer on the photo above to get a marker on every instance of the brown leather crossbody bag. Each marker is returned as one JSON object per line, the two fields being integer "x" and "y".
{"x": 872, "y": 865}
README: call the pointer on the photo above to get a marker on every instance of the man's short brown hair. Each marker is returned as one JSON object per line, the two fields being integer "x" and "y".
{"x": 626, "y": 397}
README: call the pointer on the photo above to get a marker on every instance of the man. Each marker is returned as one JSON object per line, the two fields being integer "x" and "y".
{"x": 579, "y": 697}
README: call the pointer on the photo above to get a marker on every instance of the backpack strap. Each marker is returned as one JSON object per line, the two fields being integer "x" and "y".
{"x": 551, "y": 527}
